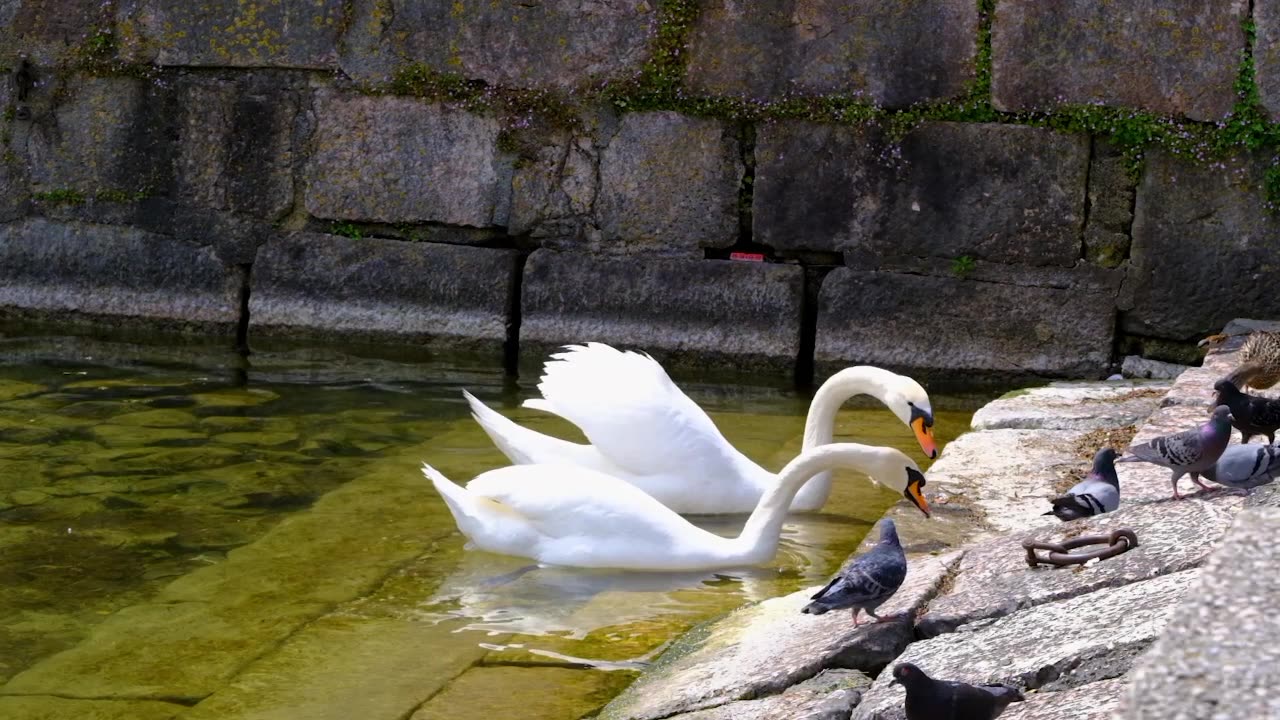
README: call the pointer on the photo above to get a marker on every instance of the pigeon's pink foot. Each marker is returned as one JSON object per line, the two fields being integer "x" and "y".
{"x": 854, "y": 612}
{"x": 1202, "y": 485}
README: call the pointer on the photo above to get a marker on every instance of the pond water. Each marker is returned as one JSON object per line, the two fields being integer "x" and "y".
{"x": 275, "y": 505}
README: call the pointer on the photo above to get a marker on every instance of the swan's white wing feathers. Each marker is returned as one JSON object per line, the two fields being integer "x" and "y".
{"x": 564, "y": 500}
{"x": 629, "y": 409}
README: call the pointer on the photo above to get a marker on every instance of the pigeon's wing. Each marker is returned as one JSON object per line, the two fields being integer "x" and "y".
{"x": 985, "y": 701}
{"x": 868, "y": 579}
{"x": 1176, "y": 450}
{"x": 1073, "y": 507}
{"x": 825, "y": 588}
{"x": 1264, "y": 412}
{"x": 1099, "y": 495}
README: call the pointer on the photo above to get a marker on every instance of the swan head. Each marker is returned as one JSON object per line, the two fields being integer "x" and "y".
{"x": 908, "y": 400}
{"x": 893, "y": 469}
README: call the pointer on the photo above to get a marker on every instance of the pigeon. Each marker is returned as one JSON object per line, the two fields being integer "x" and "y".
{"x": 866, "y": 581}
{"x": 1188, "y": 452}
{"x": 1098, "y": 493}
{"x": 1245, "y": 467}
{"x": 1250, "y": 414}
{"x": 929, "y": 699}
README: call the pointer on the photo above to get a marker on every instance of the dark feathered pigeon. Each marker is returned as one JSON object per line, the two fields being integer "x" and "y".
{"x": 929, "y": 699}
{"x": 1245, "y": 467}
{"x": 1250, "y": 414}
{"x": 1188, "y": 452}
{"x": 1098, "y": 493}
{"x": 866, "y": 581}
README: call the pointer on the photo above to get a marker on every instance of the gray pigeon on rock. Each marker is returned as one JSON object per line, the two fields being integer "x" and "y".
{"x": 1188, "y": 452}
{"x": 1098, "y": 493}
{"x": 929, "y": 699}
{"x": 866, "y": 581}
{"x": 1245, "y": 467}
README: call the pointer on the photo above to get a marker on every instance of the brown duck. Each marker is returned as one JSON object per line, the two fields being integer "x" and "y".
{"x": 1259, "y": 359}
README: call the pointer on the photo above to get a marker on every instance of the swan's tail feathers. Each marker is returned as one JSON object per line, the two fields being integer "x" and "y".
{"x": 520, "y": 444}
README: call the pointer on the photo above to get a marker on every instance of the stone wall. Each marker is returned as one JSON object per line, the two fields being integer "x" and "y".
{"x": 992, "y": 189}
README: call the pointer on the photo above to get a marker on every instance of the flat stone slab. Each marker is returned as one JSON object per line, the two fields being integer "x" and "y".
{"x": 994, "y": 579}
{"x": 1134, "y": 366}
{"x": 830, "y": 695}
{"x": 1095, "y": 701}
{"x": 1141, "y": 55}
{"x": 1220, "y": 656}
{"x": 233, "y": 33}
{"x": 431, "y": 294}
{"x": 106, "y": 272}
{"x": 698, "y": 313}
{"x": 1049, "y": 647}
{"x": 1043, "y": 329}
{"x": 1002, "y": 474}
{"x": 822, "y": 47}
{"x": 393, "y": 159}
{"x": 562, "y": 43}
{"x": 1193, "y": 226}
{"x": 44, "y": 707}
{"x": 762, "y": 649}
{"x": 1072, "y": 406}
{"x": 823, "y": 187}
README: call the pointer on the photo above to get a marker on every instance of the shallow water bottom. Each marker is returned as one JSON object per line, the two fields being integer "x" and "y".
{"x": 189, "y": 531}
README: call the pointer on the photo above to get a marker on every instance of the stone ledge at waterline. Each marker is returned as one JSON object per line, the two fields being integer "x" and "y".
{"x": 434, "y": 295}
{"x": 685, "y": 311}
{"x": 79, "y": 273}
{"x": 1001, "y": 321}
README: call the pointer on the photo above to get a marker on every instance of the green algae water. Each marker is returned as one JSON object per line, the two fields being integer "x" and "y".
{"x": 187, "y": 532}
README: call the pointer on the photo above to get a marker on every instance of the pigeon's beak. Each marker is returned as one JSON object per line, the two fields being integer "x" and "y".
{"x": 894, "y": 682}
{"x": 924, "y": 436}
{"x": 915, "y": 492}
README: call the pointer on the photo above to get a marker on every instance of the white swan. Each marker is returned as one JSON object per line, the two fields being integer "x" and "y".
{"x": 645, "y": 431}
{"x": 570, "y": 515}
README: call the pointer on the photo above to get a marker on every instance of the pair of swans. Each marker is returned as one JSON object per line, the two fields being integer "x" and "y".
{"x": 654, "y": 454}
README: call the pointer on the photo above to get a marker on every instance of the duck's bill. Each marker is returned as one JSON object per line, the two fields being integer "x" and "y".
{"x": 924, "y": 436}
{"x": 915, "y": 493}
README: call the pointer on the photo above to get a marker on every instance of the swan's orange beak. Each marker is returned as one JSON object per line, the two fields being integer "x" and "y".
{"x": 924, "y": 436}
{"x": 915, "y": 491}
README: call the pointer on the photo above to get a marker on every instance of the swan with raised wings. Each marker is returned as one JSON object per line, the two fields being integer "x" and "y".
{"x": 646, "y": 431}
{"x": 571, "y": 515}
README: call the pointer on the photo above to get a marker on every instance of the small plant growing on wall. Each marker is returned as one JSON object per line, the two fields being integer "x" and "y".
{"x": 962, "y": 266}
{"x": 346, "y": 230}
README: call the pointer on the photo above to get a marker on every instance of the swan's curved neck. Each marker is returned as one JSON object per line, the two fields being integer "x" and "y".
{"x": 820, "y": 423}
{"x": 759, "y": 539}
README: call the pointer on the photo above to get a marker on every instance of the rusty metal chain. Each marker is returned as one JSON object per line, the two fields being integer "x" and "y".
{"x": 1060, "y": 555}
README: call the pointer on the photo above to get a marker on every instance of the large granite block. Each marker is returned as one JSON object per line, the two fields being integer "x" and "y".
{"x": 1072, "y": 406}
{"x": 669, "y": 182}
{"x": 994, "y": 580}
{"x": 1060, "y": 323}
{"x": 1178, "y": 57}
{"x": 326, "y": 286}
{"x": 235, "y": 148}
{"x": 48, "y": 31}
{"x": 692, "y": 312}
{"x": 870, "y": 49}
{"x": 559, "y": 43}
{"x": 1266, "y": 55}
{"x": 105, "y": 134}
{"x": 389, "y": 159}
{"x": 1043, "y": 647}
{"x": 233, "y": 33}
{"x": 76, "y": 270}
{"x": 1220, "y": 656}
{"x": 1203, "y": 247}
{"x": 1007, "y": 194}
